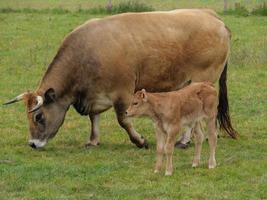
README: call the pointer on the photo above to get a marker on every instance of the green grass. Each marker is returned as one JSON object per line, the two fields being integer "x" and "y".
{"x": 120, "y": 7}
{"x": 260, "y": 10}
{"x": 245, "y": 8}
{"x": 157, "y": 4}
{"x": 117, "y": 169}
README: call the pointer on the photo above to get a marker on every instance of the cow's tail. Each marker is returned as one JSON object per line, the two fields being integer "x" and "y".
{"x": 223, "y": 115}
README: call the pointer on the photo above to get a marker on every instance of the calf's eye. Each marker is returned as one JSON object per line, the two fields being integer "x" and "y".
{"x": 135, "y": 103}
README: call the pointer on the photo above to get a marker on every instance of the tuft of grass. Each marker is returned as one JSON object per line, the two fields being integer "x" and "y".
{"x": 241, "y": 10}
{"x": 260, "y": 10}
{"x": 33, "y": 10}
{"x": 131, "y": 6}
{"x": 238, "y": 11}
{"x": 244, "y": 50}
{"x": 122, "y": 7}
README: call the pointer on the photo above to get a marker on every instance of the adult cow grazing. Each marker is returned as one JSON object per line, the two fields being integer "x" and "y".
{"x": 103, "y": 62}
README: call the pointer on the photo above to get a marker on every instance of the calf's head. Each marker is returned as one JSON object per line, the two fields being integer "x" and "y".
{"x": 139, "y": 105}
{"x": 45, "y": 114}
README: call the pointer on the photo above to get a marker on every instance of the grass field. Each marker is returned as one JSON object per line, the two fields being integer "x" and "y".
{"x": 157, "y": 4}
{"x": 64, "y": 169}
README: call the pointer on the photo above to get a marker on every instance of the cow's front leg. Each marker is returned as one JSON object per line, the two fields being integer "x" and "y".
{"x": 184, "y": 140}
{"x": 120, "y": 107}
{"x": 94, "y": 137}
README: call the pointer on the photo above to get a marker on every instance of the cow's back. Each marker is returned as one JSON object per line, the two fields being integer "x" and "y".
{"x": 159, "y": 51}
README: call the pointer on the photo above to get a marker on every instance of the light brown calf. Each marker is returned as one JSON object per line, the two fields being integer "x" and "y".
{"x": 173, "y": 110}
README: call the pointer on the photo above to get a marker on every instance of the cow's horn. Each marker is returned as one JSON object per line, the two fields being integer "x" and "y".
{"x": 40, "y": 102}
{"x": 16, "y": 99}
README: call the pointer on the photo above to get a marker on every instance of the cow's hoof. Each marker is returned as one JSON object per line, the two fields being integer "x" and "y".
{"x": 90, "y": 145}
{"x": 181, "y": 145}
{"x": 143, "y": 145}
{"x": 139, "y": 143}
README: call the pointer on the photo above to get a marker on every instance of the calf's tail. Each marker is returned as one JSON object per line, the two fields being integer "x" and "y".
{"x": 223, "y": 116}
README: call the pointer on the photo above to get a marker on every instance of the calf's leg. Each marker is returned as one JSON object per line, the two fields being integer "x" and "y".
{"x": 120, "y": 107}
{"x": 169, "y": 146}
{"x": 199, "y": 137}
{"x": 161, "y": 137}
{"x": 94, "y": 137}
{"x": 212, "y": 136}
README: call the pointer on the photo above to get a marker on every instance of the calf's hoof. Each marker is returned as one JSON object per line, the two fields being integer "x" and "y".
{"x": 195, "y": 164}
{"x": 156, "y": 171}
{"x": 168, "y": 173}
{"x": 91, "y": 145}
{"x": 212, "y": 164}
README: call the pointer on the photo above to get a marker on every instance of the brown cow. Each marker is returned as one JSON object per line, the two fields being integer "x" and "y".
{"x": 171, "y": 111}
{"x": 103, "y": 62}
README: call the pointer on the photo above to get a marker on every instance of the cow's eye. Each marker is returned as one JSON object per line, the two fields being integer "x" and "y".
{"x": 38, "y": 117}
{"x": 135, "y": 103}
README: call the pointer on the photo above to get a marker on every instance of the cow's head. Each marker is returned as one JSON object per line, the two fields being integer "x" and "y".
{"x": 139, "y": 105}
{"x": 45, "y": 113}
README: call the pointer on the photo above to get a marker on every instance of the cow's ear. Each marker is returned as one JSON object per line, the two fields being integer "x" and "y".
{"x": 50, "y": 96}
{"x": 144, "y": 95}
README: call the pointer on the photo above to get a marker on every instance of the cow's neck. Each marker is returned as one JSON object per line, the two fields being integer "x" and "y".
{"x": 69, "y": 86}
{"x": 62, "y": 80}
{"x": 70, "y": 75}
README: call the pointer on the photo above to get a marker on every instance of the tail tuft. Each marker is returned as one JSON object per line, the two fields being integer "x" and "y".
{"x": 223, "y": 115}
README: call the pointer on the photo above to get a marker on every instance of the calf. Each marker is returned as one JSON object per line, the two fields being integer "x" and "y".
{"x": 171, "y": 111}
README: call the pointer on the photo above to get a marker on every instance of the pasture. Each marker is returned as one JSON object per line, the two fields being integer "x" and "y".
{"x": 116, "y": 169}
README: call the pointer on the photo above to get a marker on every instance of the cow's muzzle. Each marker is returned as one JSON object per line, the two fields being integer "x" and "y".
{"x": 34, "y": 143}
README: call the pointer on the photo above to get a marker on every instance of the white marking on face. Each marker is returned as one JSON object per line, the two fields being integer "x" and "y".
{"x": 38, "y": 143}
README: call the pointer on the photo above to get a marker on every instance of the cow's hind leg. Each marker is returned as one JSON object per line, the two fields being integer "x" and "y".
{"x": 120, "y": 107}
{"x": 184, "y": 140}
{"x": 94, "y": 137}
{"x": 199, "y": 137}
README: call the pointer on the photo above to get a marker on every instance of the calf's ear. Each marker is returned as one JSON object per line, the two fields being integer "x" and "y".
{"x": 50, "y": 96}
{"x": 144, "y": 95}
